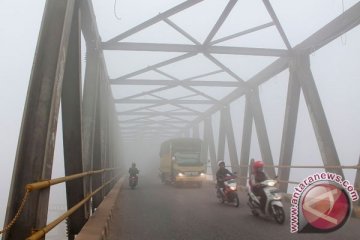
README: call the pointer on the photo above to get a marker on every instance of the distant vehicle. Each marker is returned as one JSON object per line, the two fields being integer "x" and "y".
{"x": 181, "y": 161}
{"x": 133, "y": 180}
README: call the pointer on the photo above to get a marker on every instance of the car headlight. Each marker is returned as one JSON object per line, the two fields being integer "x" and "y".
{"x": 180, "y": 174}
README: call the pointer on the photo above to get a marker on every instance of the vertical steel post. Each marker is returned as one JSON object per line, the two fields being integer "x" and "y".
{"x": 96, "y": 157}
{"x": 317, "y": 114}
{"x": 34, "y": 157}
{"x": 210, "y": 138}
{"x": 91, "y": 87}
{"x": 246, "y": 142}
{"x": 231, "y": 141}
{"x": 195, "y": 131}
{"x": 71, "y": 120}
{"x": 288, "y": 135}
{"x": 261, "y": 132}
{"x": 104, "y": 128}
{"x": 90, "y": 96}
{"x": 205, "y": 148}
{"x": 357, "y": 181}
{"x": 222, "y": 135}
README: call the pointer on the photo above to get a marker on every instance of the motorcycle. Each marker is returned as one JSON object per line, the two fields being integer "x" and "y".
{"x": 133, "y": 180}
{"x": 273, "y": 206}
{"x": 229, "y": 193}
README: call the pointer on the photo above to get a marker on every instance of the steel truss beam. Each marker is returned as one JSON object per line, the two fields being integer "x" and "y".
{"x": 156, "y": 19}
{"x": 220, "y": 21}
{"x": 91, "y": 94}
{"x": 250, "y": 30}
{"x": 34, "y": 158}
{"x": 175, "y": 83}
{"x": 159, "y": 113}
{"x": 209, "y": 138}
{"x": 317, "y": 114}
{"x": 357, "y": 181}
{"x": 226, "y": 133}
{"x": 343, "y": 23}
{"x": 288, "y": 135}
{"x": 230, "y": 139}
{"x": 262, "y": 135}
{"x": 277, "y": 23}
{"x": 71, "y": 120}
{"x": 246, "y": 141}
{"x": 156, "y": 101}
{"x": 194, "y": 49}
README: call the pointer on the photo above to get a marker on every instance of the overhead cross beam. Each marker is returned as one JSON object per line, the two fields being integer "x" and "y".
{"x": 158, "y": 101}
{"x": 195, "y": 49}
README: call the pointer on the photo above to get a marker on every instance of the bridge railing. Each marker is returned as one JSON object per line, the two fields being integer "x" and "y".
{"x": 40, "y": 233}
{"x": 355, "y": 167}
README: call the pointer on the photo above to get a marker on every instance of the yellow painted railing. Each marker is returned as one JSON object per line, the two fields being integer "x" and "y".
{"x": 48, "y": 183}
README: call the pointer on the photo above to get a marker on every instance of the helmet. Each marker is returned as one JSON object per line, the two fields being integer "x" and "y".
{"x": 257, "y": 165}
{"x": 133, "y": 164}
{"x": 220, "y": 162}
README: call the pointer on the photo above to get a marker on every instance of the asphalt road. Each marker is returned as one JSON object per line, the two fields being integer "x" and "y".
{"x": 154, "y": 211}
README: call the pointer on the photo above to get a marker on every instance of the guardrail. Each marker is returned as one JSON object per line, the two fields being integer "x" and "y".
{"x": 39, "y": 234}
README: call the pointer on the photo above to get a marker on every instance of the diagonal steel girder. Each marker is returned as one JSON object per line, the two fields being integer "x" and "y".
{"x": 157, "y": 65}
{"x": 220, "y": 21}
{"x": 156, "y": 19}
{"x": 247, "y": 31}
{"x": 167, "y": 87}
{"x": 277, "y": 23}
{"x": 35, "y": 151}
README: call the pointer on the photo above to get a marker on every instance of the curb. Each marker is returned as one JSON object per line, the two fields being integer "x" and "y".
{"x": 97, "y": 227}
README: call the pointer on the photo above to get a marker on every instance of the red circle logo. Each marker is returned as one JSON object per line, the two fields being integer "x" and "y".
{"x": 326, "y": 207}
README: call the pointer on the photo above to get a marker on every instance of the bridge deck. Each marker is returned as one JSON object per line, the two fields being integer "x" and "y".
{"x": 156, "y": 211}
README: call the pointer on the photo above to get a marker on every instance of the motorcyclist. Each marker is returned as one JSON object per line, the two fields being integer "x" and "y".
{"x": 133, "y": 171}
{"x": 257, "y": 176}
{"x": 221, "y": 173}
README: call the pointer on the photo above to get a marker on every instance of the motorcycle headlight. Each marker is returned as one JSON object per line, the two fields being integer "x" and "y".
{"x": 277, "y": 197}
{"x": 180, "y": 174}
{"x": 202, "y": 174}
{"x": 233, "y": 188}
{"x": 271, "y": 184}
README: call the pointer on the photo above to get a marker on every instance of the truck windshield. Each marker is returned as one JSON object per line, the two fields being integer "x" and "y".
{"x": 189, "y": 159}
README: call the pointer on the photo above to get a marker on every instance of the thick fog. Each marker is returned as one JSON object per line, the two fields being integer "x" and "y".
{"x": 335, "y": 68}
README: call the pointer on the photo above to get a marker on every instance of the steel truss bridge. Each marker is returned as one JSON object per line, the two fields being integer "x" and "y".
{"x": 96, "y": 127}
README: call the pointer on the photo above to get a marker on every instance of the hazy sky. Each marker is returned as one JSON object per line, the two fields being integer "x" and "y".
{"x": 335, "y": 68}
